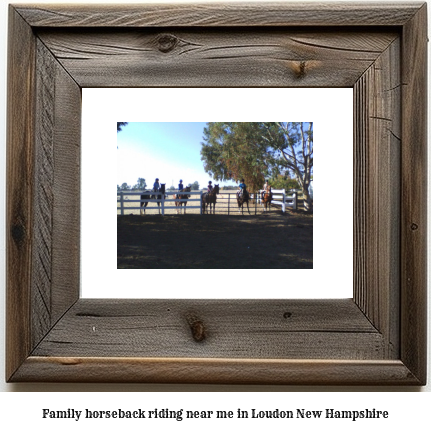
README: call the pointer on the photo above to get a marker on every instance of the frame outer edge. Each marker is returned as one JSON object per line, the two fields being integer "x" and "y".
{"x": 215, "y": 371}
{"x": 19, "y": 189}
{"x": 20, "y": 160}
{"x": 414, "y": 196}
{"x": 211, "y": 14}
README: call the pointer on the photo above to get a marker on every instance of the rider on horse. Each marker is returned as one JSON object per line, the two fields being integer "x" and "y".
{"x": 156, "y": 188}
{"x": 210, "y": 198}
{"x": 266, "y": 189}
{"x": 180, "y": 186}
{"x": 242, "y": 188}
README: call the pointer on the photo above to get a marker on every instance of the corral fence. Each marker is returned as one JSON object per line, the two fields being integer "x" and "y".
{"x": 280, "y": 197}
{"x": 130, "y": 202}
{"x": 227, "y": 202}
{"x": 162, "y": 199}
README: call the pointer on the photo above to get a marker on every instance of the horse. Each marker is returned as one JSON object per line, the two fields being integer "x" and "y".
{"x": 157, "y": 198}
{"x": 242, "y": 197}
{"x": 210, "y": 199}
{"x": 266, "y": 199}
{"x": 178, "y": 203}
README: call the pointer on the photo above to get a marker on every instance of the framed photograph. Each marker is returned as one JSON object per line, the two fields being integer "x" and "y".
{"x": 377, "y": 337}
{"x": 278, "y": 242}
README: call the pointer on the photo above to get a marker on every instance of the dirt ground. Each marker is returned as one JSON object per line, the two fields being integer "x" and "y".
{"x": 269, "y": 240}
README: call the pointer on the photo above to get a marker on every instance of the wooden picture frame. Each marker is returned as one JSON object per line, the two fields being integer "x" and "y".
{"x": 376, "y": 338}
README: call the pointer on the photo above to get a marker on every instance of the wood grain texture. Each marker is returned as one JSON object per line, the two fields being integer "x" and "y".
{"x": 19, "y": 198}
{"x": 44, "y": 196}
{"x": 234, "y": 329}
{"x": 228, "y": 58}
{"x": 221, "y": 15}
{"x": 413, "y": 194}
{"x": 377, "y": 172}
{"x": 55, "y": 278}
{"x": 215, "y": 371}
{"x": 67, "y": 194}
{"x": 378, "y": 338}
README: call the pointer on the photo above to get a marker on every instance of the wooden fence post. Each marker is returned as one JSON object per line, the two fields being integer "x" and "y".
{"x": 122, "y": 202}
{"x": 283, "y": 206}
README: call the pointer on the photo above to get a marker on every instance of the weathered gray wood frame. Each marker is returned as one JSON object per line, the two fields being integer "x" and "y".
{"x": 379, "y": 337}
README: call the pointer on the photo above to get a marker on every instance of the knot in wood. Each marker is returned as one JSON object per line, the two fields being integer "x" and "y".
{"x": 167, "y": 42}
{"x": 18, "y": 233}
{"x": 300, "y": 69}
{"x": 197, "y": 328}
{"x": 414, "y": 226}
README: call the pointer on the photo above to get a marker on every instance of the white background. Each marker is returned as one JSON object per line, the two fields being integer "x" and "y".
{"x": 407, "y": 409}
{"x": 331, "y": 110}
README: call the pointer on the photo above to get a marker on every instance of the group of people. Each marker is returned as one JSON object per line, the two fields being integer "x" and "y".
{"x": 242, "y": 188}
{"x": 156, "y": 186}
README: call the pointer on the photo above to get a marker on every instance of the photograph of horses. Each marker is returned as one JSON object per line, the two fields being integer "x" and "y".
{"x": 214, "y": 195}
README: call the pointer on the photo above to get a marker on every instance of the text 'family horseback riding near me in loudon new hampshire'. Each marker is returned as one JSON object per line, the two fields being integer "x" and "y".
{"x": 183, "y": 414}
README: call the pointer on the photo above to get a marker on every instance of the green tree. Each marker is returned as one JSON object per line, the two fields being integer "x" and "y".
{"x": 255, "y": 151}
{"x": 140, "y": 185}
{"x": 284, "y": 182}
{"x": 120, "y": 126}
{"x": 237, "y": 150}
{"x": 194, "y": 186}
{"x": 125, "y": 186}
{"x": 294, "y": 144}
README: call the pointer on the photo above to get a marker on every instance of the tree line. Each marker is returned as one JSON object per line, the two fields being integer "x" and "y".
{"x": 280, "y": 152}
{"x": 140, "y": 185}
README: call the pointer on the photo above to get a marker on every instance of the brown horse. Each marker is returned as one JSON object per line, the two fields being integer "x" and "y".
{"x": 266, "y": 199}
{"x": 210, "y": 199}
{"x": 179, "y": 203}
{"x": 157, "y": 198}
{"x": 242, "y": 198}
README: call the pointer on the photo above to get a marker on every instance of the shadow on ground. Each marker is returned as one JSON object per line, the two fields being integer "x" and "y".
{"x": 272, "y": 240}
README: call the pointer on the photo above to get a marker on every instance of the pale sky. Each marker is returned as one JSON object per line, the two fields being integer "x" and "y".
{"x": 165, "y": 150}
